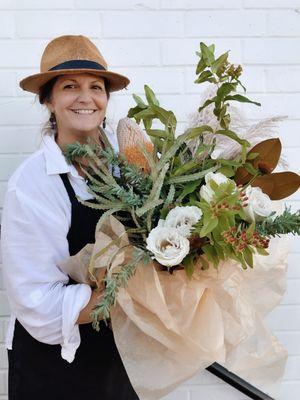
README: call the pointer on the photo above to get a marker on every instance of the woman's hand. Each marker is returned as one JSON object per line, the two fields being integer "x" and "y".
{"x": 84, "y": 315}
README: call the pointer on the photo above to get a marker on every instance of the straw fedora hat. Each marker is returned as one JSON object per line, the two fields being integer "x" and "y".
{"x": 71, "y": 54}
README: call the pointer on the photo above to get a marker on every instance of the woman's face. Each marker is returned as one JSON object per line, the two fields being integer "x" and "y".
{"x": 79, "y": 103}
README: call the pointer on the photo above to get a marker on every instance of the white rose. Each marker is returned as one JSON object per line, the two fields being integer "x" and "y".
{"x": 259, "y": 204}
{"x": 167, "y": 245}
{"x": 182, "y": 218}
{"x": 206, "y": 192}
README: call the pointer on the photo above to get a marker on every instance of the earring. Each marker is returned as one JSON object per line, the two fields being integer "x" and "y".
{"x": 52, "y": 121}
{"x": 104, "y": 123}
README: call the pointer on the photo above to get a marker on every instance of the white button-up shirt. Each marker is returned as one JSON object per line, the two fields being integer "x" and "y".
{"x": 35, "y": 222}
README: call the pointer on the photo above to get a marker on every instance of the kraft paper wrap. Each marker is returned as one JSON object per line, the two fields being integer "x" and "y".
{"x": 168, "y": 328}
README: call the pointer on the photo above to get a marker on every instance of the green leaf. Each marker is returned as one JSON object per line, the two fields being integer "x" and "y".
{"x": 188, "y": 188}
{"x": 201, "y": 66}
{"x": 240, "y": 83}
{"x": 191, "y": 177}
{"x": 248, "y": 257}
{"x": 241, "y": 99}
{"x": 219, "y": 62}
{"x": 225, "y": 89}
{"x": 261, "y": 251}
{"x": 211, "y": 254}
{"x": 166, "y": 117}
{"x": 203, "y": 77}
{"x": 227, "y": 171}
{"x": 208, "y": 227}
{"x": 252, "y": 156}
{"x": 150, "y": 96}
{"x": 207, "y": 103}
{"x": 205, "y": 264}
{"x": 189, "y": 266}
{"x": 232, "y": 135}
{"x": 249, "y": 168}
{"x": 192, "y": 133}
{"x": 147, "y": 112}
{"x": 159, "y": 133}
{"x": 139, "y": 101}
{"x": 207, "y": 54}
{"x": 133, "y": 111}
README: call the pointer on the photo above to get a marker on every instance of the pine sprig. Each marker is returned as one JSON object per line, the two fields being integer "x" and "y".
{"x": 287, "y": 222}
{"x": 112, "y": 284}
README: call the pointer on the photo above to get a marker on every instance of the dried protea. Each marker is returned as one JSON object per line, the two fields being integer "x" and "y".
{"x": 128, "y": 134}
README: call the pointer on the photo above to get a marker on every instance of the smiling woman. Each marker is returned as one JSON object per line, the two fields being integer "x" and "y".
{"x": 80, "y": 94}
{"x": 78, "y": 105}
{"x": 43, "y": 223}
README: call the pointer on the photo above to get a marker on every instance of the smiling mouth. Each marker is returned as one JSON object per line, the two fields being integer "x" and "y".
{"x": 89, "y": 112}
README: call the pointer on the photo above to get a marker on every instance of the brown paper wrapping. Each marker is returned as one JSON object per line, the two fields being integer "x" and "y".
{"x": 167, "y": 328}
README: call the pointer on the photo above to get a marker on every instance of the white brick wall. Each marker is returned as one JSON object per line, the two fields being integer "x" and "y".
{"x": 154, "y": 42}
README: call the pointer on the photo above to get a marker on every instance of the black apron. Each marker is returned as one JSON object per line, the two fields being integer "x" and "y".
{"x": 37, "y": 370}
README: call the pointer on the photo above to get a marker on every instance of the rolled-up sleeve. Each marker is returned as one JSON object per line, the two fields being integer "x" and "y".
{"x": 33, "y": 240}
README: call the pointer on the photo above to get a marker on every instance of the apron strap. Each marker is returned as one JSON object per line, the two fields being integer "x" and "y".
{"x": 68, "y": 186}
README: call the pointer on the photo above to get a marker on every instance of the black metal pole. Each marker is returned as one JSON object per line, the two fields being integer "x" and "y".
{"x": 237, "y": 382}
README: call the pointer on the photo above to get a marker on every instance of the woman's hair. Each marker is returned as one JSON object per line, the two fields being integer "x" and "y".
{"x": 45, "y": 95}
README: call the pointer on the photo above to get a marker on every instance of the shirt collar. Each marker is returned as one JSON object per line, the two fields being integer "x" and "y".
{"x": 55, "y": 160}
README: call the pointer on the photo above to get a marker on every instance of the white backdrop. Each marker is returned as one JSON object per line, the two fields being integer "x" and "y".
{"x": 154, "y": 42}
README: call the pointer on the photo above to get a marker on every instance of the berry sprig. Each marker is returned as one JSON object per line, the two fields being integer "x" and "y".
{"x": 239, "y": 240}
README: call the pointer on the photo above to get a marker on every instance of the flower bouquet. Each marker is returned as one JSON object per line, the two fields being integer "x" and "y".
{"x": 181, "y": 231}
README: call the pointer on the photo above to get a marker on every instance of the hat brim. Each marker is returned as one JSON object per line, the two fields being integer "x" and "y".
{"x": 33, "y": 83}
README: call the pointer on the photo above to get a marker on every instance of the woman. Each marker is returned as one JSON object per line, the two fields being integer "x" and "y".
{"x": 53, "y": 351}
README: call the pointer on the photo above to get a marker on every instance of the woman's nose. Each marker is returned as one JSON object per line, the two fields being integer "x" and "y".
{"x": 84, "y": 95}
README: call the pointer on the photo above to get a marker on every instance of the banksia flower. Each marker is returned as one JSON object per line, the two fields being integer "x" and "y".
{"x": 128, "y": 133}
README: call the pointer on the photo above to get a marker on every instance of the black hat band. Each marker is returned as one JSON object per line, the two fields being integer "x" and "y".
{"x": 78, "y": 64}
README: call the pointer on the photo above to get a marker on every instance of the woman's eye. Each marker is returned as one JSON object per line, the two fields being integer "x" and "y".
{"x": 72, "y": 86}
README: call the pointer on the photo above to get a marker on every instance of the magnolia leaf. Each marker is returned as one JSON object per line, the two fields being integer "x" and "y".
{"x": 269, "y": 153}
{"x": 278, "y": 185}
{"x": 268, "y": 156}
